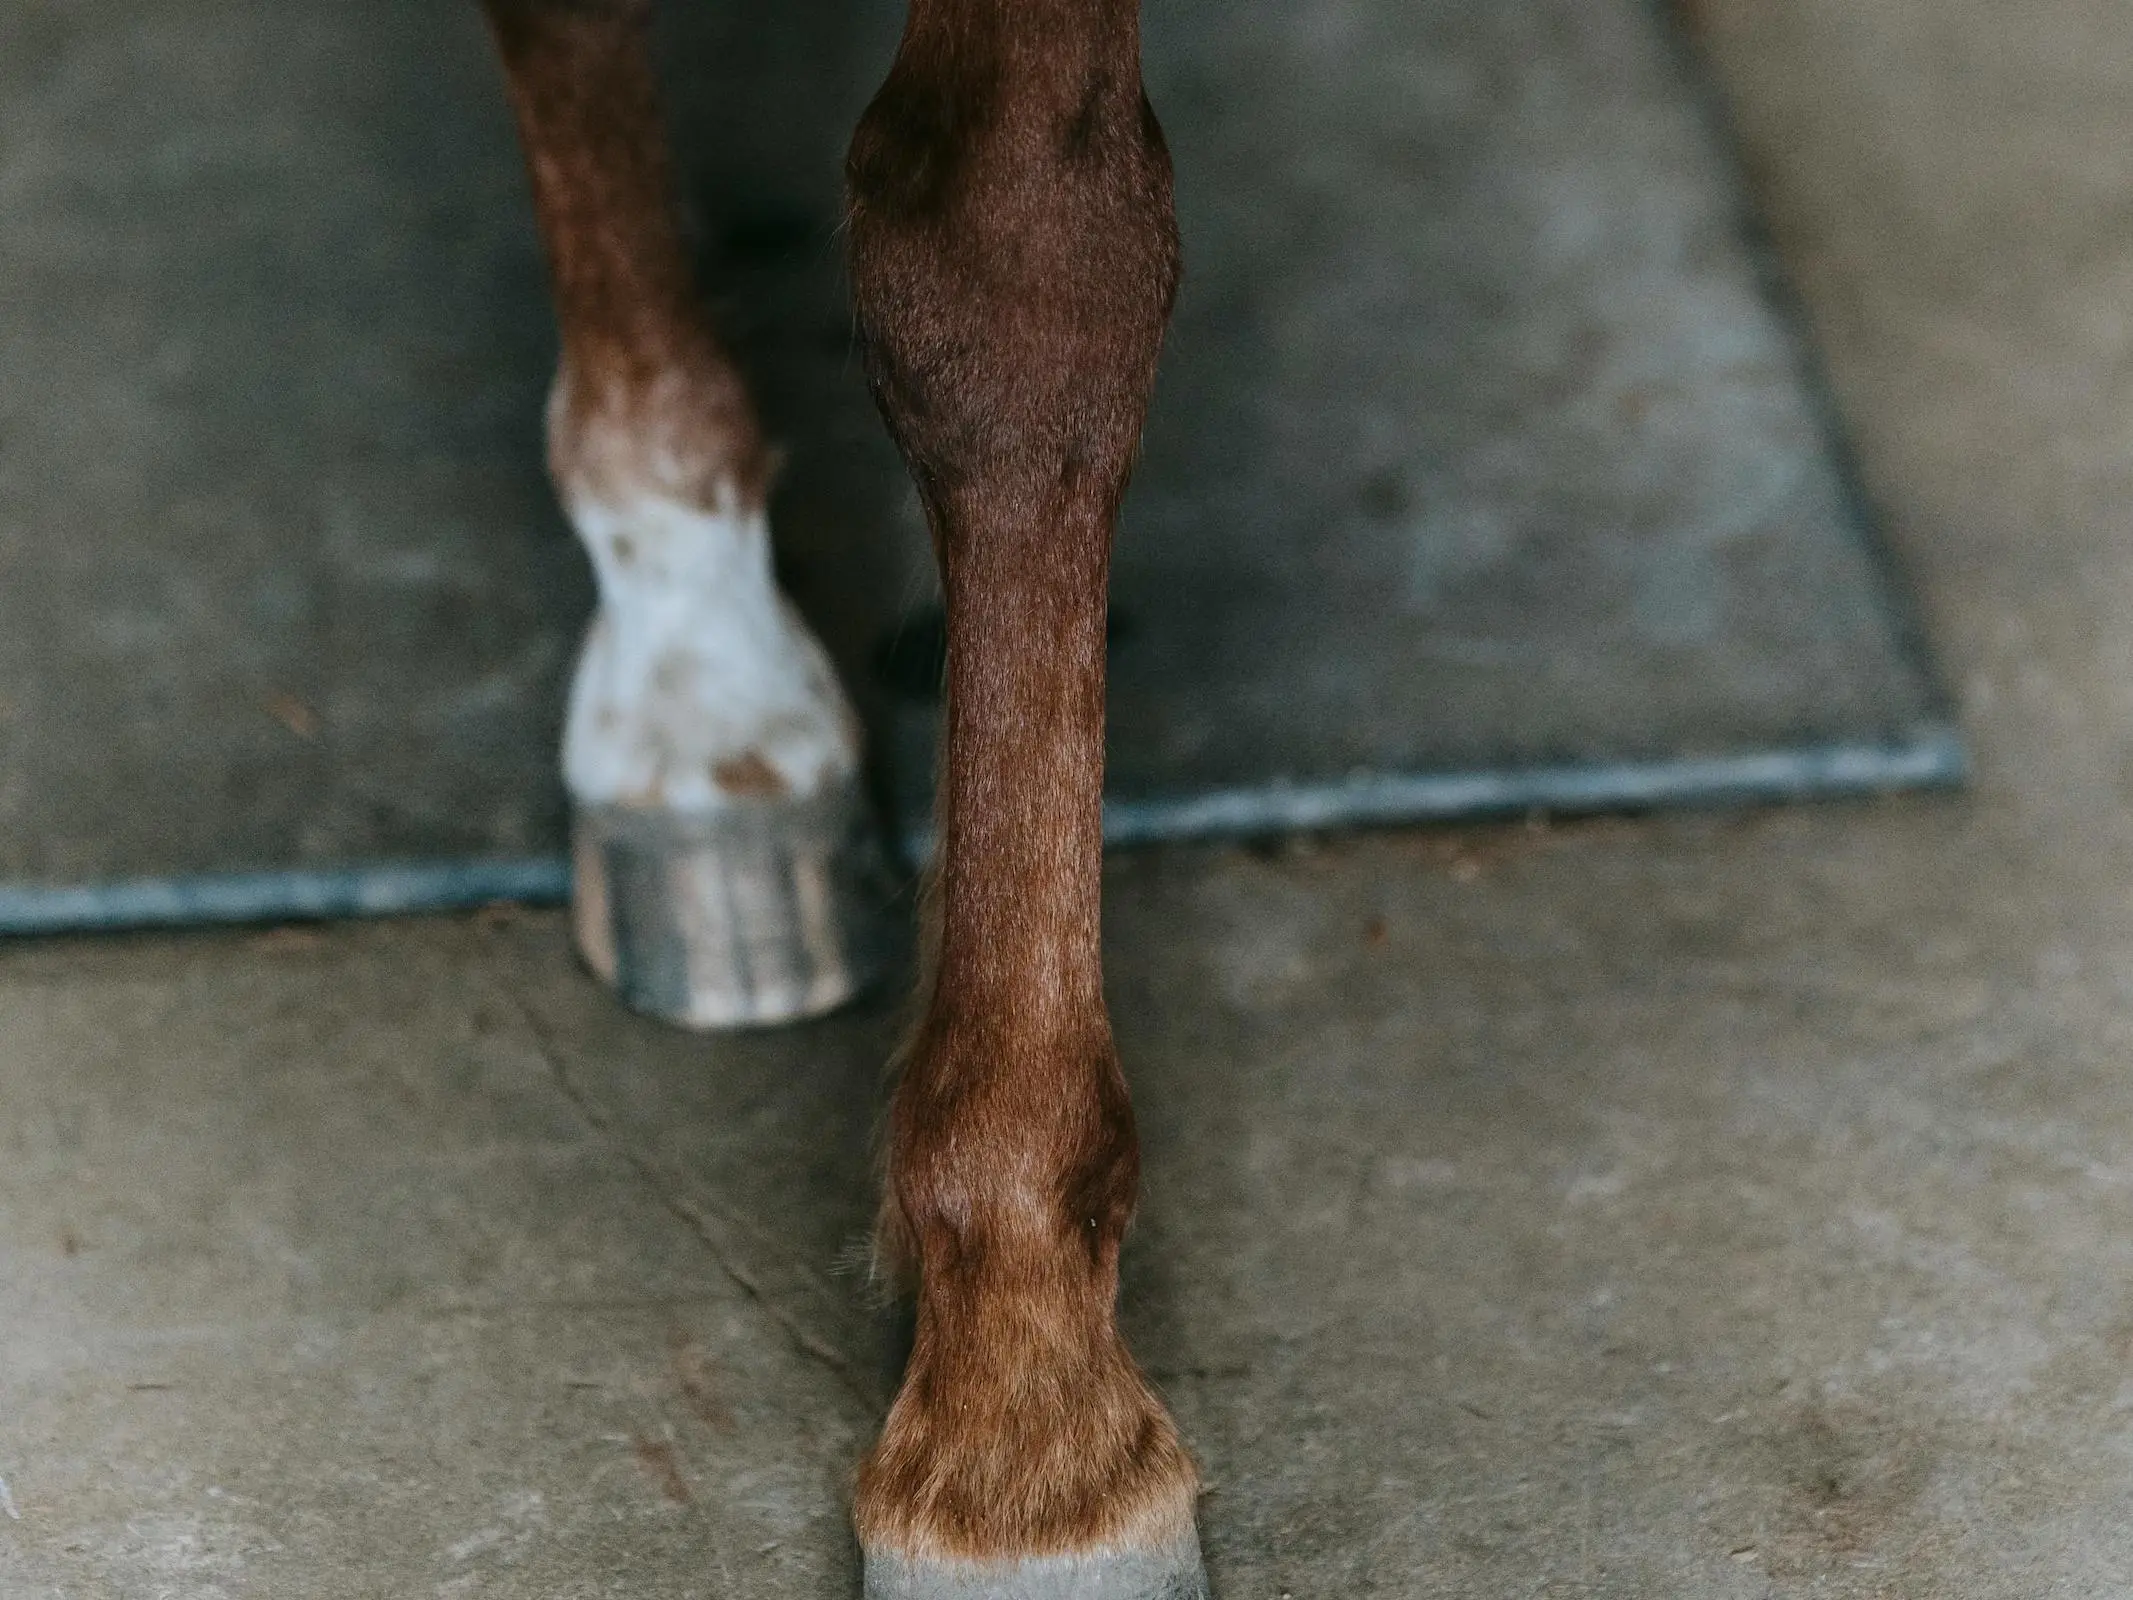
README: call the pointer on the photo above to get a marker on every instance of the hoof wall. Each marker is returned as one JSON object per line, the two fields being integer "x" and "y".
{"x": 1170, "y": 1572}
{"x": 760, "y": 913}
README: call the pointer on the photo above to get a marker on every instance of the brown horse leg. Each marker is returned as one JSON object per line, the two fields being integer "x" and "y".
{"x": 709, "y": 751}
{"x": 1013, "y": 261}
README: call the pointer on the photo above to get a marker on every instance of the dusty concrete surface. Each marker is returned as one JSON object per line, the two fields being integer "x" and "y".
{"x": 1705, "y": 1207}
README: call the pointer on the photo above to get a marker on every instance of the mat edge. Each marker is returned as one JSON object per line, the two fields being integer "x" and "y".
{"x": 1933, "y": 757}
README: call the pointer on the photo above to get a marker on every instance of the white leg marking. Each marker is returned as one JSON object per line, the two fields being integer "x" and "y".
{"x": 699, "y": 686}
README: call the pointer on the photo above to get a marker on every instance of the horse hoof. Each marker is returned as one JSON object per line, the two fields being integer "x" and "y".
{"x": 760, "y": 912}
{"x": 1165, "y": 1572}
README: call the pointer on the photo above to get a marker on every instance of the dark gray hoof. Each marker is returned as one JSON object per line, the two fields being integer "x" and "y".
{"x": 1169, "y": 1572}
{"x": 762, "y": 912}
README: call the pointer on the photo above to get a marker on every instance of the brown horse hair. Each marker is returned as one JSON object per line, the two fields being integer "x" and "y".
{"x": 1013, "y": 260}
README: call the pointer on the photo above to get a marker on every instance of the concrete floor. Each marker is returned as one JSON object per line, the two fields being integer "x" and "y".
{"x": 1693, "y": 1206}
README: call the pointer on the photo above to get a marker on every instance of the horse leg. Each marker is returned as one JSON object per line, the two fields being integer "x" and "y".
{"x": 710, "y": 754}
{"x": 1013, "y": 261}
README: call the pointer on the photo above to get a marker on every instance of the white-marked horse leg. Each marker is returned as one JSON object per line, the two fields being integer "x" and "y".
{"x": 724, "y": 851}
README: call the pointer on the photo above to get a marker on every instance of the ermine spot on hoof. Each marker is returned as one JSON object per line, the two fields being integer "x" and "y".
{"x": 1164, "y": 1572}
{"x": 749, "y": 777}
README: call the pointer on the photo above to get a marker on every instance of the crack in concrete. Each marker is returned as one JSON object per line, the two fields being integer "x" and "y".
{"x": 699, "y": 1220}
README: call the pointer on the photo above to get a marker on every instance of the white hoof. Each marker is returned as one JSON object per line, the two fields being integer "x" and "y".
{"x": 743, "y": 917}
